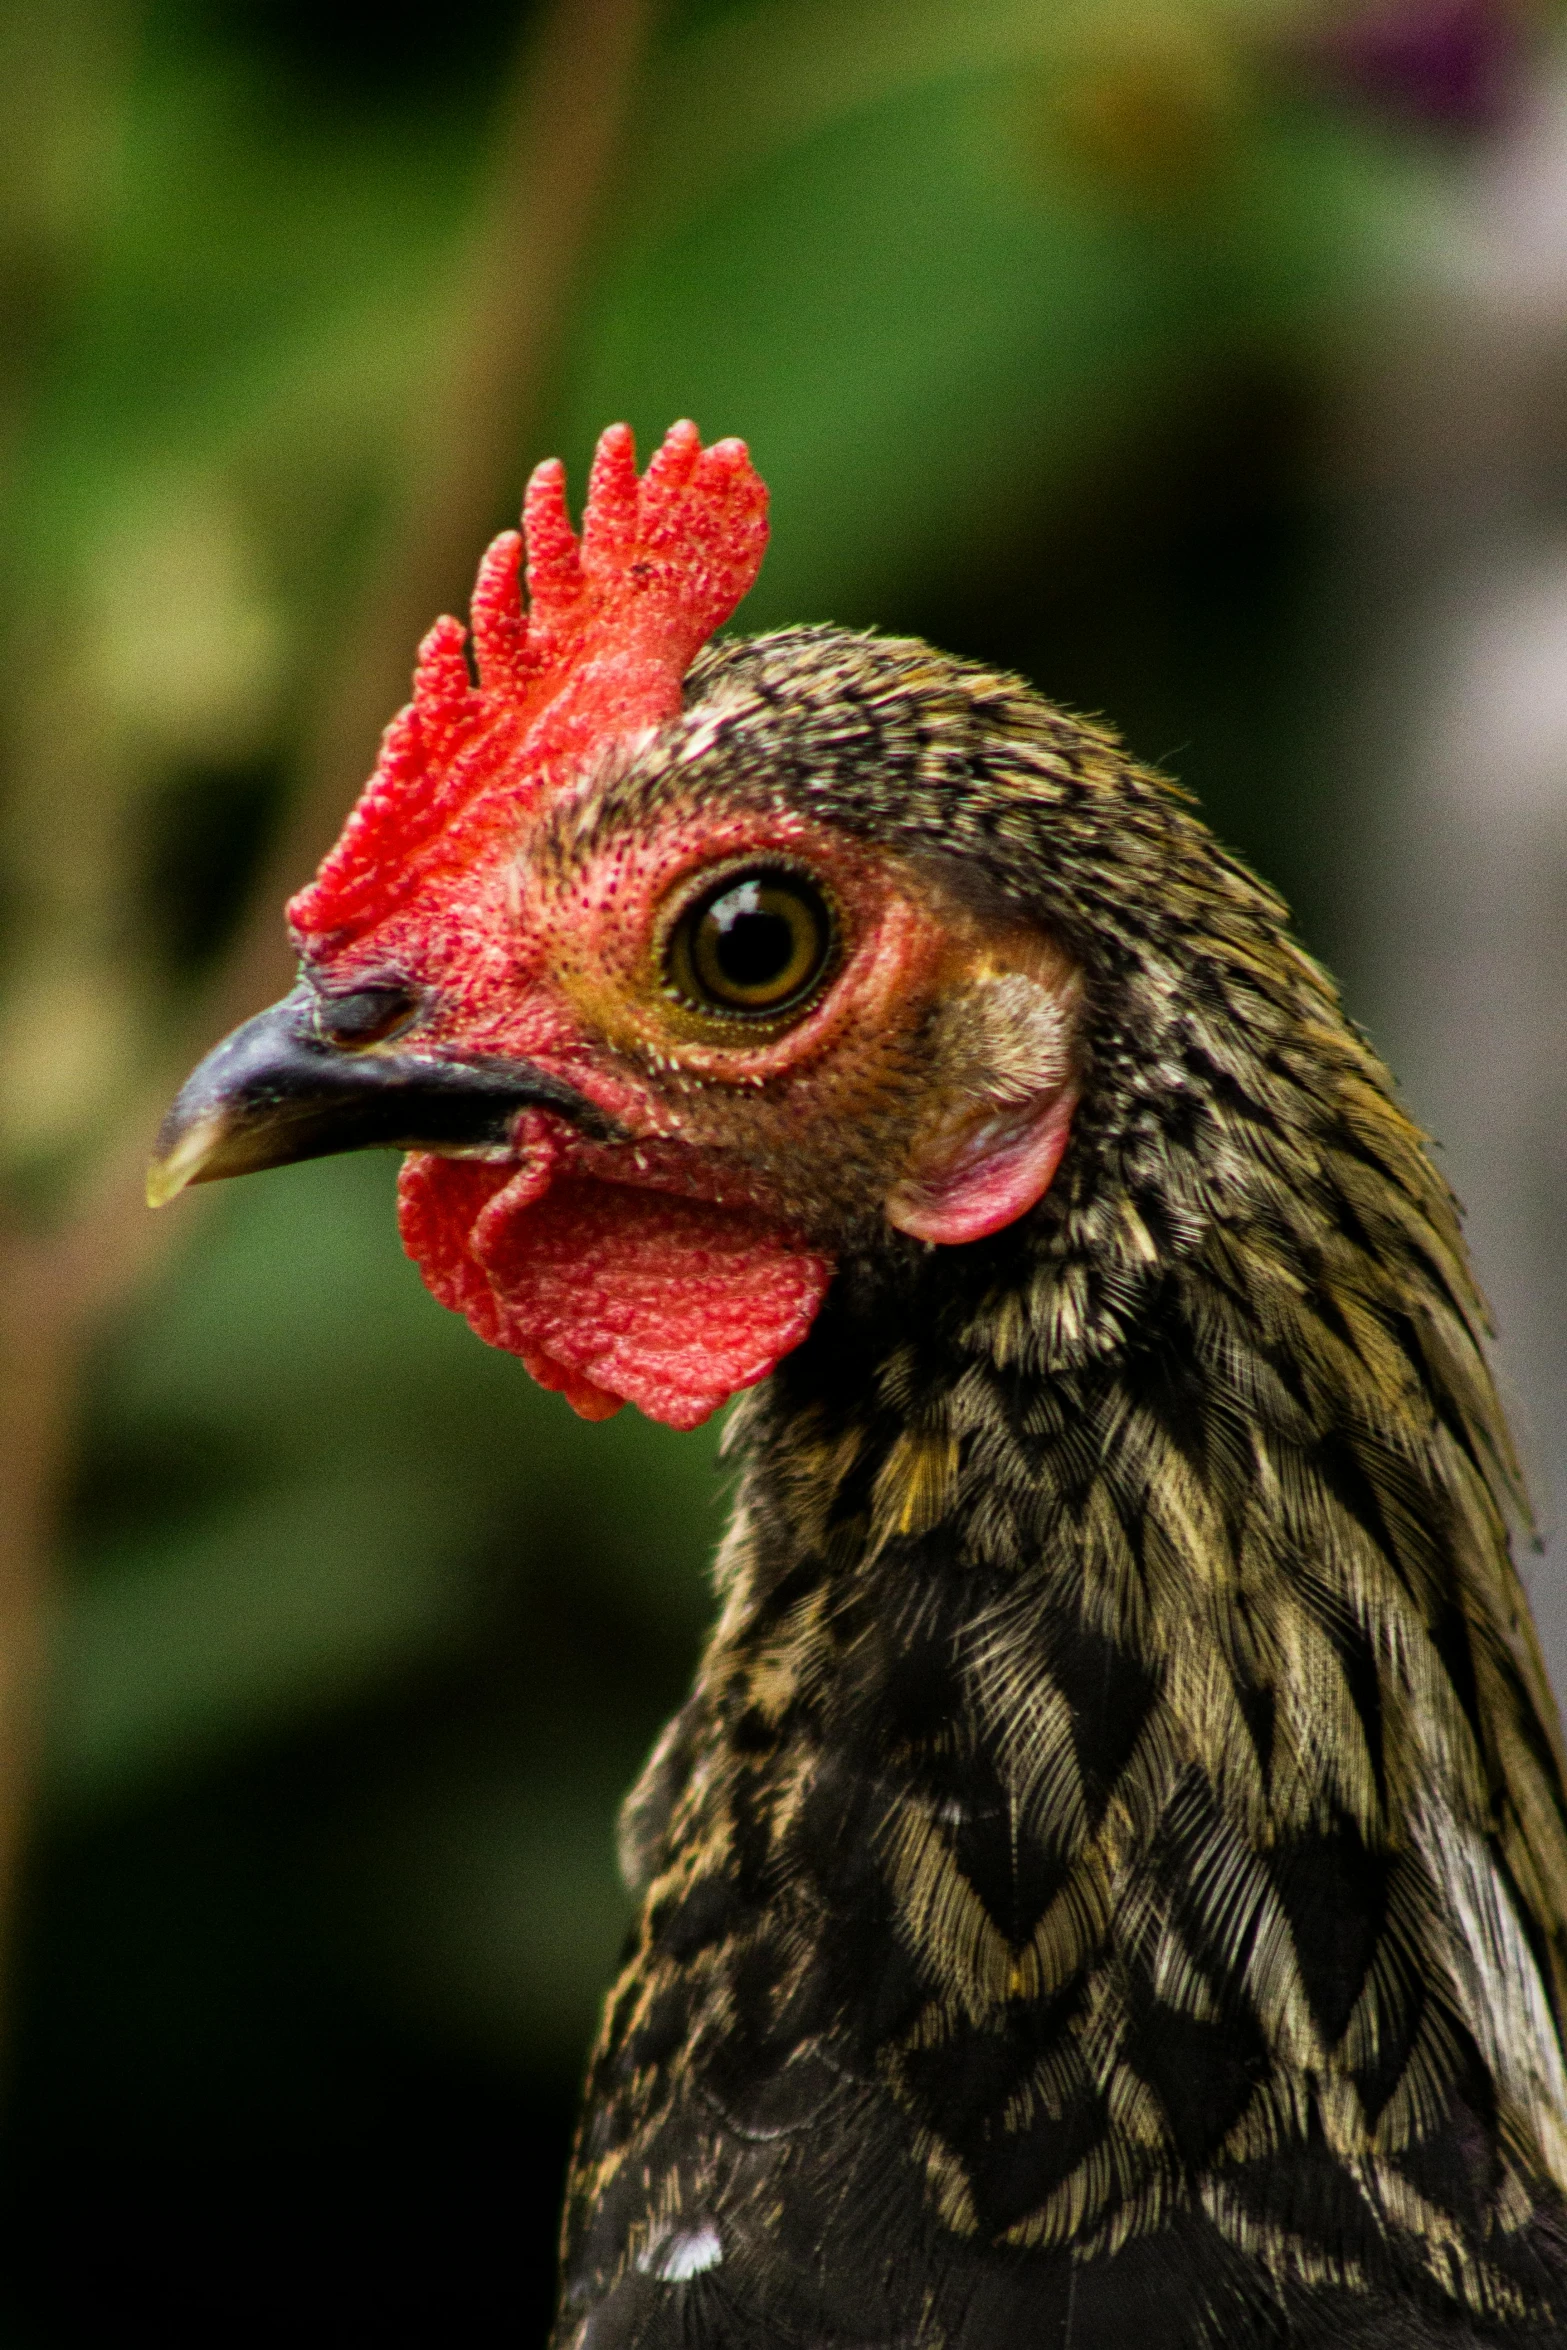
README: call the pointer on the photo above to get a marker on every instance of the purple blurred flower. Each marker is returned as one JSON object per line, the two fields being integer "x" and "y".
{"x": 1444, "y": 61}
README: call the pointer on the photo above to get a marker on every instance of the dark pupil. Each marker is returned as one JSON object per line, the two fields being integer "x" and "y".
{"x": 759, "y": 944}
{"x": 752, "y": 947}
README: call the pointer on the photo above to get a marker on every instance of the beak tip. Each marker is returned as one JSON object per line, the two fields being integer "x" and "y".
{"x": 184, "y": 1159}
{"x": 161, "y": 1186}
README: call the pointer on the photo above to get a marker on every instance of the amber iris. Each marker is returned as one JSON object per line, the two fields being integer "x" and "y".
{"x": 755, "y": 946}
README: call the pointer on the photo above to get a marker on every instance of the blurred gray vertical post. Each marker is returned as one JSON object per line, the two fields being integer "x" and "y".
{"x": 1457, "y": 736}
{"x": 558, "y": 135}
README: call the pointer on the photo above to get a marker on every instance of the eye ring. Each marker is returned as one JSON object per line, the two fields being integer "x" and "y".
{"x": 755, "y": 946}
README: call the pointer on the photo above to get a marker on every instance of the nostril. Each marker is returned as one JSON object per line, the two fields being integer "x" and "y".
{"x": 365, "y": 1015}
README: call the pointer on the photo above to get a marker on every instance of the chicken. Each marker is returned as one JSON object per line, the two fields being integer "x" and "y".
{"x": 1107, "y": 1884}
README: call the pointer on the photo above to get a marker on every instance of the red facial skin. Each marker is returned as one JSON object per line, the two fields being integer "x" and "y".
{"x": 672, "y": 1270}
{"x": 675, "y": 1266}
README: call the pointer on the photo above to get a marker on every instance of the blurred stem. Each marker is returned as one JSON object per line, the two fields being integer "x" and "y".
{"x": 38, "y": 1363}
{"x": 558, "y": 139}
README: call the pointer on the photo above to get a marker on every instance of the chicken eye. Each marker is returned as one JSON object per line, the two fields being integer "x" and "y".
{"x": 367, "y": 1015}
{"x": 756, "y": 944}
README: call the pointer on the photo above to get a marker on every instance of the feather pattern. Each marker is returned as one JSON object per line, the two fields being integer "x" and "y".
{"x": 1110, "y": 1872}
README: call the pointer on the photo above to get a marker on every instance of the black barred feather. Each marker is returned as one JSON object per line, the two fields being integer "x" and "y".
{"x": 1107, "y": 1886}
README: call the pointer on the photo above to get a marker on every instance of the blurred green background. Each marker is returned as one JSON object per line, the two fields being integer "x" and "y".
{"x": 1091, "y": 336}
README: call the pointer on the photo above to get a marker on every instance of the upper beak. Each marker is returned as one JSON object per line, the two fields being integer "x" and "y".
{"x": 277, "y": 1091}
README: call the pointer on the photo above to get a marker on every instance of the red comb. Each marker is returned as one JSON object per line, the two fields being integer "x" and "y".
{"x": 612, "y": 625}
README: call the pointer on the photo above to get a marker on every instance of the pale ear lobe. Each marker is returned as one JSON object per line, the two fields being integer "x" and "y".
{"x": 987, "y": 1177}
{"x": 1003, "y": 1096}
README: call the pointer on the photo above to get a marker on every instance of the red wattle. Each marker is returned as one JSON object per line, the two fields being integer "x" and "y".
{"x": 608, "y": 1293}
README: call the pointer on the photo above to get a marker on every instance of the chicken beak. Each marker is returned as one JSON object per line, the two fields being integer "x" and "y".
{"x": 277, "y": 1091}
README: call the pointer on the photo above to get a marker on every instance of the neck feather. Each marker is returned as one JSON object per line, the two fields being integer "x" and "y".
{"x": 1141, "y": 1589}
{"x": 1121, "y": 1794}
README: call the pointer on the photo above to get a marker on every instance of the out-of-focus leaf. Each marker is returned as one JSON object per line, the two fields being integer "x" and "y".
{"x": 971, "y": 321}
{"x": 766, "y": 79}
{"x": 255, "y": 1617}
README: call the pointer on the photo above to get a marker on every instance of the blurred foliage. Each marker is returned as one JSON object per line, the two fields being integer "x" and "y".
{"x": 1035, "y": 316}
